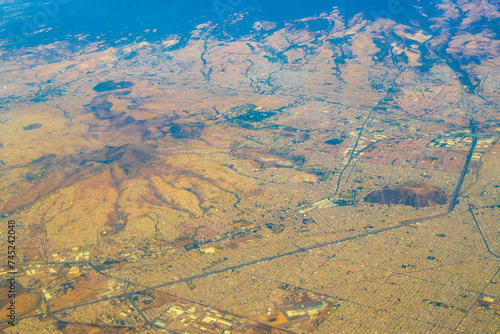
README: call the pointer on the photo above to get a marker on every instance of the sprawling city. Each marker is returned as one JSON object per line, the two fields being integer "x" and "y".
{"x": 250, "y": 168}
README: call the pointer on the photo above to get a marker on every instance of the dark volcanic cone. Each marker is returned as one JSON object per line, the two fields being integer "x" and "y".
{"x": 416, "y": 194}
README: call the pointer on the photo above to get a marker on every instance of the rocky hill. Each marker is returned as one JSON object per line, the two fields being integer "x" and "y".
{"x": 417, "y": 194}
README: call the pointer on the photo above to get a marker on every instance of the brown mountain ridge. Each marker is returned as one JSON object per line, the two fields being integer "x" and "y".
{"x": 415, "y": 193}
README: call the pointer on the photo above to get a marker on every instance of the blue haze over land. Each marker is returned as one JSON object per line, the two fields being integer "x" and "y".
{"x": 112, "y": 21}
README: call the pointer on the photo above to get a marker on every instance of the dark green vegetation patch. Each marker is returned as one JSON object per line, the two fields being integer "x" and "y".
{"x": 254, "y": 116}
{"x": 110, "y": 85}
{"x": 32, "y": 126}
{"x": 334, "y": 141}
